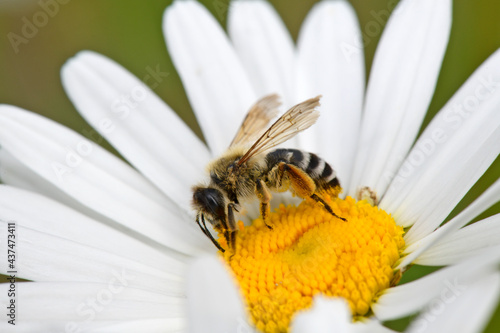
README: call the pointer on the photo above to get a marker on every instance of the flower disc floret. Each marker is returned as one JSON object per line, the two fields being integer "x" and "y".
{"x": 311, "y": 252}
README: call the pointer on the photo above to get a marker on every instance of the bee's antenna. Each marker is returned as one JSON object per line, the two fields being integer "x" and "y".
{"x": 207, "y": 232}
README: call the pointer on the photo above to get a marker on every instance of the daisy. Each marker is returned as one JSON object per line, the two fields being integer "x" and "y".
{"x": 109, "y": 245}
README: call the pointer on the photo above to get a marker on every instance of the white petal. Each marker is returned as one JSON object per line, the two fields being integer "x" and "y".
{"x": 325, "y": 316}
{"x": 463, "y": 244}
{"x": 43, "y": 257}
{"x": 486, "y": 200}
{"x": 74, "y": 148}
{"x": 37, "y": 213}
{"x": 30, "y": 327}
{"x": 214, "y": 302}
{"x": 13, "y": 172}
{"x": 163, "y": 325}
{"x": 214, "y": 79}
{"x": 96, "y": 179}
{"x": 76, "y": 304}
{"x": 402, "y": 82}
{"x": 411, "y": 297}
{"x": 264, "y": 47}
{"x": 333, "y": 315}
{"x": 370, "y": 326}
{"x": 331, "y": 63}
{"x": 469, "y": 312}
{"x": 452, "y": 153}
{"x": 136, "y": 122}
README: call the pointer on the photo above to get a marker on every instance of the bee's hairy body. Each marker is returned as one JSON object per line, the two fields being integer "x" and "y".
{"x": 244, "y": 172}
{"x": 315, "y": 167}
{"x": 239, "y": 184}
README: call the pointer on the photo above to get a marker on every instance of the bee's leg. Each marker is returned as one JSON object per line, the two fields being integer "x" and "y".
{"x": 304, "y": 185}
{"x": 231, "y": 227}
{"x": 316, "y": 198}
{"x": 301, "y": 183}
{"x": 264, "y": 196}
{"x": 207, "y": 232}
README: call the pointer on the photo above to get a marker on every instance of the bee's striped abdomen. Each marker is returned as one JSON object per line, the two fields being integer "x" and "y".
{"x": 318, "y": 169}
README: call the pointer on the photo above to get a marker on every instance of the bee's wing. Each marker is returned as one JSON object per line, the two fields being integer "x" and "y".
{"x": 257, "y": 120}
{"x": 295, "y": 120}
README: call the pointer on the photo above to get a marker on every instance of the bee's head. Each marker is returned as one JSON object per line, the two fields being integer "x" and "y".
{"x": 209, "y": 201}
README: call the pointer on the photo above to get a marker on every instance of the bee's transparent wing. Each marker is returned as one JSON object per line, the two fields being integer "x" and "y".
{"x": 257, "y": 120}
{"x": 298, "y": 118}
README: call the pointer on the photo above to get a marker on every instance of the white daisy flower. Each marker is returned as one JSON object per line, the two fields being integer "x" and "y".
{"x": 110, "y": 247}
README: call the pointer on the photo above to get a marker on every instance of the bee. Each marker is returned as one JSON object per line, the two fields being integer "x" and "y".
{"x": 249, "y": 168}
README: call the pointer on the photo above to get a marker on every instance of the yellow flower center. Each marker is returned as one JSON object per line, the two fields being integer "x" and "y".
{"x": 310, "y": 252}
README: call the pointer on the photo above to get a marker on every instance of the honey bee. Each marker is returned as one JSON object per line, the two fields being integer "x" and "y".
{"x": 248, "y": 169}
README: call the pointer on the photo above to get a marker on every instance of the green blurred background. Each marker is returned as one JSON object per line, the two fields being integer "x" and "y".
{"x": 129, "y": 32}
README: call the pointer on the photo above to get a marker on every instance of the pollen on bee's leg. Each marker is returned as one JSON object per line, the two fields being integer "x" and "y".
{"x": 221, "y": 239}
{"x": 241, "y": 225}
{"x": 311, "y": 252}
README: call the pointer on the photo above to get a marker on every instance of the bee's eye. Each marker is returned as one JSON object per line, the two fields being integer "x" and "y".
{"x": 210, "y": 200}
